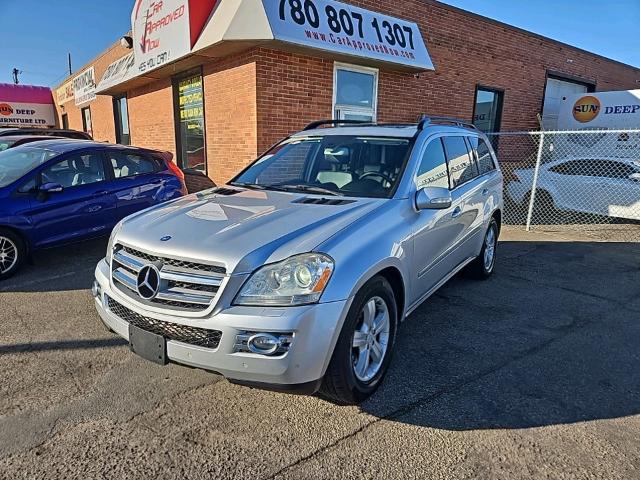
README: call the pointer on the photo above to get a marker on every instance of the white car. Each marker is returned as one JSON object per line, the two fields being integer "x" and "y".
{"x": 601, "y": 186}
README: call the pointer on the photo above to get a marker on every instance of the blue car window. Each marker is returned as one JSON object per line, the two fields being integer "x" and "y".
{"x": 76, "y": 170}
{"x": 130, "y": 164}
{"x": 15, "y": 163}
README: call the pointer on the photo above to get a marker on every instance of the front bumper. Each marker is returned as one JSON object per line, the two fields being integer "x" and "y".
{"x": 315, "y": 331}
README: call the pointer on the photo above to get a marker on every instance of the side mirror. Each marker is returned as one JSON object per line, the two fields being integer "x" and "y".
{"x": 50, "y": 187}
{"x": 433, "y": 198}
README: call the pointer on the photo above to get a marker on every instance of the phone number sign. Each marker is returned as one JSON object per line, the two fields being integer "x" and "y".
{"x": 338, "y": 27}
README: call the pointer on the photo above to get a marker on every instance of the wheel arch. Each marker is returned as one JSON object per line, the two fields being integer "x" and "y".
{"x": 497, "y": 215}
{"x": 394, "y": 277}
{"x": 20, "y": 234}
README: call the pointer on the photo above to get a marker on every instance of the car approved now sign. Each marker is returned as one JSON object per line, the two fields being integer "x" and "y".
{"x": 337, "y": 27}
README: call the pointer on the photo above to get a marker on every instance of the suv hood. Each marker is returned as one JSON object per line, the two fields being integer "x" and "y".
{"x": 241, "y": 231}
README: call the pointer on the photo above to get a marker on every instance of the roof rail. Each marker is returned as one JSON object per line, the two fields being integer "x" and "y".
{"x": 422, "y": 123}
{"x": 320, "y": 123}
{"x": 426, "y": 120}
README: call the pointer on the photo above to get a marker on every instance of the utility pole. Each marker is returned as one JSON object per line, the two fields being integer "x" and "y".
{"x": 69, "y": 58}
{"x": 16, "y": 72}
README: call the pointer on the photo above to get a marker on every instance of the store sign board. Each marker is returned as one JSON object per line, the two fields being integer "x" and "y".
{"x": 613, "y": 110}
{"x": 118, "y": 72}
{"x": 19, "y": 114}
{"x": 64, "y": 94}
{"x": 338, "y": 27}
{"x": 161, "y": 32}
{"x": 84, "y": 86}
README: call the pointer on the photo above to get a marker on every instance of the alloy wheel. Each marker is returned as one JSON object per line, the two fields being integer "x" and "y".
{"x": 490, "y": 249}
{"x": 371, "y": 339}
{"x": 8, "y": 254}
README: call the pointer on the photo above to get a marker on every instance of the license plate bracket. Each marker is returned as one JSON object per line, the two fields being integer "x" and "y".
{"x": 150, "y": 346}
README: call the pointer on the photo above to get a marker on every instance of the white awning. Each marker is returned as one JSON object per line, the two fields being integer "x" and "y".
{"x": 325, "y": 28}
{"x": 118, "y": 72}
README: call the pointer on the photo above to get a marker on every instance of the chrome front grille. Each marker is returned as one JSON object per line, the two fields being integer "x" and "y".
{"x": 200, "y": 337}
{"x": 183, "y": 286}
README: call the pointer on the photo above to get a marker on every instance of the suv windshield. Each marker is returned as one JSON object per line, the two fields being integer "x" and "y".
{"x": 332, "y": 164}
{"x": 17, "y": 162}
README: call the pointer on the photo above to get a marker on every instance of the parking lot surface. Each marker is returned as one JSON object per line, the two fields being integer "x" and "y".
{"x": 534, "y": 373}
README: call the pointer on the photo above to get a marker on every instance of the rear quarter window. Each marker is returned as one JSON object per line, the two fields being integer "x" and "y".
{"x": 462, "y": 168}
{"x": 483, "y": 155}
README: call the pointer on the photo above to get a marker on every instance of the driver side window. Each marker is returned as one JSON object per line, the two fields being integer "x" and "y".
{"x": 76, "y": 170}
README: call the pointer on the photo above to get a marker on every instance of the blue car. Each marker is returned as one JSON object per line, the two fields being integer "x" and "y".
{"x": 56, "y": 192}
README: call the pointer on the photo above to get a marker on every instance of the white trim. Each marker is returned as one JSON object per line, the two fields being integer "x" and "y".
{"x": 350, "y": 108}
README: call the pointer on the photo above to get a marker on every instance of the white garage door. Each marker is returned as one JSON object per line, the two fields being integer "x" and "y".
{"x": 555, "y": 91}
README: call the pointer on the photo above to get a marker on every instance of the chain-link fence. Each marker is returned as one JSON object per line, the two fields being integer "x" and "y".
{"x": 585, "y": 180}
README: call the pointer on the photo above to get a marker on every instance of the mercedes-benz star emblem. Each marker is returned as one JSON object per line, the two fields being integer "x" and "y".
{"x": 148, "y": 282}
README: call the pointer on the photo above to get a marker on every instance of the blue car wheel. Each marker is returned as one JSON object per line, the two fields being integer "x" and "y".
{"x": 12, "y": 253}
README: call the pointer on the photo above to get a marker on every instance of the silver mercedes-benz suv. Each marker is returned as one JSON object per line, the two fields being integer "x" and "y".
{"x": 296, "y": 275}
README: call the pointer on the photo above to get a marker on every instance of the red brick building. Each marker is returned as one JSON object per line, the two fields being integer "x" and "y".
{"x": 238, "y": 88}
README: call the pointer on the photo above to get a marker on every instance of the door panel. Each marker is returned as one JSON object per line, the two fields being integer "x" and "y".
{"x": 137, "y": 185}
{"x": 81, "y": 210}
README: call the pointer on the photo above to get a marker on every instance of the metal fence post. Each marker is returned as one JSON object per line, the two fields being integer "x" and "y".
{"x": 535, "y": 181}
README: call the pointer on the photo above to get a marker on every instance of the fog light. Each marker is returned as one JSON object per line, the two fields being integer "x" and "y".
{"x": 95, "y": 289}
{"x": 264, "y": 344}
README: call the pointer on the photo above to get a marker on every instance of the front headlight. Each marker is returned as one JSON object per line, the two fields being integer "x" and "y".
{"x": 111, "y": 243}
{"x": 298, "y": 280}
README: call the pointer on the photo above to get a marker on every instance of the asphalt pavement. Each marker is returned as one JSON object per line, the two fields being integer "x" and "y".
{"x": 534, "y": 373}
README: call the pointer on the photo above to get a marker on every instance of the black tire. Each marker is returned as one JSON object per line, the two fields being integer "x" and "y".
{"x": 340, "y": 384}
{"x": 10, "y": 244}
{"x": 479, "y": 269}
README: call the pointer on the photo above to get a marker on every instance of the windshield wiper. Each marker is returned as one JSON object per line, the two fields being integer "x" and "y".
{"x": 251, "y": 186}
{"x": 309, "y": 188}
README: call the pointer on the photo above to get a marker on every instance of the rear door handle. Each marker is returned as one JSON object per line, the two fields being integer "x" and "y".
{"x": 100, "y": 193}
{"x": 457, "y": 212}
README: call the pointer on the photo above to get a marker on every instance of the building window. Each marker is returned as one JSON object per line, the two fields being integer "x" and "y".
{"x": 355, "y": 93}
{"x": 190, "y": 126}
{"x": 86, "y": 120}
{"x": 121, "y": 117}
{"x": 487, "y": 110}
{"x": 65, "y": 121}
{"x": 556, "y": 90}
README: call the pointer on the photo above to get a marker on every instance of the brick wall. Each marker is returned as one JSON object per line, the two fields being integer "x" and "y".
{"x": 151, "y": 116}
{"x": 230, "y": 114}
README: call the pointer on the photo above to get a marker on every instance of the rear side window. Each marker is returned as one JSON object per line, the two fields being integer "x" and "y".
{"x": 130, "y": 164}
{"x": 483, "y": 155}
{"x": 433, "y": 167}
{"x": 75, "y": 171}
{"x": 461, "y": 167}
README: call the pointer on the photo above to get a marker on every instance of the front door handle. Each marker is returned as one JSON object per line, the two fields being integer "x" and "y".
{"x": 457, "y": 212}
{"x": 100, "y": 193}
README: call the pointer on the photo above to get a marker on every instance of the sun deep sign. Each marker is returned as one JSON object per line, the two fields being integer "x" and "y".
{"x": 26, "y": 106}
{"x": 339, "y": 27}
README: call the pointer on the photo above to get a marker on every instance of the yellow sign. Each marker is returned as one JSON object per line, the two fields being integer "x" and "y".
{"x": 65, "y": 93}
{"x": 586, "y": 109}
